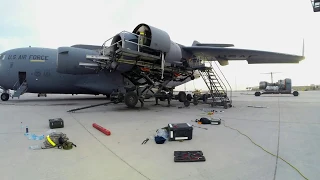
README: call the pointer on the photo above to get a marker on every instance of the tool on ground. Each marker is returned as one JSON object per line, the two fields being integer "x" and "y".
{"x": 56, "y": 123}
{"x": 258, "y": 106}
{"x": 208, "y": 121}
{"x": 200, "y": 127}
{"x": 188, "y": 156}
{"x": 101, "y": 129}
{"x": 145, "y": 141}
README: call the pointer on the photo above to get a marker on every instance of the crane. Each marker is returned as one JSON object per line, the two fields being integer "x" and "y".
{"x": 271, "y": 75}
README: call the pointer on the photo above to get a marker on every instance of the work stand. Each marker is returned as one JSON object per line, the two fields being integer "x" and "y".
{"x": 217, "y": 89}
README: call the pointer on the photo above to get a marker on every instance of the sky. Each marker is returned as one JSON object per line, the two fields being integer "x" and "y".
{"x": 274, "y": 25}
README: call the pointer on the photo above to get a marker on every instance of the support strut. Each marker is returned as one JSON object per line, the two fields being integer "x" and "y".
{"x": 87, "y": 107}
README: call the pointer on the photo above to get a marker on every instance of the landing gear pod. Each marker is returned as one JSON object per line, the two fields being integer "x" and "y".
{"x": 69, "y": 58}
{"x": 124, "y": 40}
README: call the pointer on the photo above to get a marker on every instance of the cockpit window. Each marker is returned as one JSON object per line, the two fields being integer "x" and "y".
{"x": 2, "y": 56}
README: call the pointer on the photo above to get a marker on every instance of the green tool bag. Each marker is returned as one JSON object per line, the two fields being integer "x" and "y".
{"x": 59, "y": 140}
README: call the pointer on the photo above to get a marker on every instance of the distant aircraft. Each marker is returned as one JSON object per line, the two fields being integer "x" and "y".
{"x": 315, "y": 5}
{"x": 145, "y": 57}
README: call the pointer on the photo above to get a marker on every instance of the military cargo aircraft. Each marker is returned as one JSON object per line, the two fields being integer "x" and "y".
{"x": 33, "y": 70}
{"x": 127, "y": 66}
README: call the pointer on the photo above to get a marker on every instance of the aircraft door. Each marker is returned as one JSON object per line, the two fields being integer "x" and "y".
{"x": 22, "y": 77}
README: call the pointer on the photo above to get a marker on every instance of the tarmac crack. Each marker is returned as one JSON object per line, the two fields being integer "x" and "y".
{"x": 276, "y": 167}
{"x": 110, "y": 149}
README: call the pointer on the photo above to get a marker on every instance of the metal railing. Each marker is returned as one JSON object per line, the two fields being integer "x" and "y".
{"x": 106, "y": 49}
{"x": 219, "y": 79}
{"x": 206, "y": 59}
{"x": 123, "y": 41}
{"x": 226, "y": 81}
{"x": 17, "y": 83}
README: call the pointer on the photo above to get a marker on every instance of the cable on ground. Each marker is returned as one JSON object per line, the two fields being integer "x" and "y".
{"x": 223, "y": 122}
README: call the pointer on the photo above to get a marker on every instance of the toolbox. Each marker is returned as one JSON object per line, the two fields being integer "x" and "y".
{"x": 180, "y": 131}
{"x": 56, "y": 123}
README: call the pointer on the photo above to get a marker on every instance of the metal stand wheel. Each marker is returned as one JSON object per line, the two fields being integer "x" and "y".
{"x": 5, "y": 96}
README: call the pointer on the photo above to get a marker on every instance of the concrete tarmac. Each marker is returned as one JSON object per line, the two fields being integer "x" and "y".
{"x": 229, "y": 155}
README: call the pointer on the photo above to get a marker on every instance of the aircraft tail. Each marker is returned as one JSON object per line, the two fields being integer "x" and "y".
{"x": 197, "y": 43}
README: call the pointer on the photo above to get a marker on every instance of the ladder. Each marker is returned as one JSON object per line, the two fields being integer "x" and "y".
{"x": 217, "y": 88}
{"x": 21, "y": 89}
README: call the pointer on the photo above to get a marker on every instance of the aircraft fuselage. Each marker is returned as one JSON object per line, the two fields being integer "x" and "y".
{"x": 38, "y": 67}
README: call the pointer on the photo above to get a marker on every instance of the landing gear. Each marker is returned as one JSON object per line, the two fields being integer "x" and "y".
{"x": 186, "y": 103}
{"x": 205, "y": 98}
{"x": 5, "y": 96}
{"x": 195, "y": 101}
{"x": 226, "y": 105}
{"x": 131, "y": 99}
{"x": 162, "y": 98}
{"x": 295, "y": 93}
{"x": 42, "y": 94}
{"x": 189, "y": 97}
{"x": 182, "y": 96}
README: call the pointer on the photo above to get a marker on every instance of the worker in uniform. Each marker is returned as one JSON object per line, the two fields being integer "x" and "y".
{"x": 142, "y": 39}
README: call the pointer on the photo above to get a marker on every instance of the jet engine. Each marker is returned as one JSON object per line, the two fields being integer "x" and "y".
{"x": 69, "y": 58}
{"x": 158, "y": 41}
{"x": 281, "y": 84}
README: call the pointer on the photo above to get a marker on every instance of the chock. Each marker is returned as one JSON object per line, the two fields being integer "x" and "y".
{"x": 102, "y": 129}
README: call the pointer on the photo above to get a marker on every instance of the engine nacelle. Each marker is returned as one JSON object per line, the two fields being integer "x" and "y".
{"x": 159, "y": 40}
{"x": 69, "y": 58}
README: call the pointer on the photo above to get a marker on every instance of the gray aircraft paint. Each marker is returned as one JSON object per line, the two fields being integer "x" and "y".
{"x": 40, "y": 65}
{"x": 42, "y": 77}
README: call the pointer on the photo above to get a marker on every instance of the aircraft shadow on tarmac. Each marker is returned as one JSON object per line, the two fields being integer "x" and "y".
{"x": 54, "y": 100}
{"x": 276, "y": 96}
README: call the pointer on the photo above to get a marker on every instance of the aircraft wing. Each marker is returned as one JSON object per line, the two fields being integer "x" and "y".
{"x": 223, "y": 54}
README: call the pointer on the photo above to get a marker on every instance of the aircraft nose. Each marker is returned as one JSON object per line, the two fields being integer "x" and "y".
{"x": 1, "y": 56}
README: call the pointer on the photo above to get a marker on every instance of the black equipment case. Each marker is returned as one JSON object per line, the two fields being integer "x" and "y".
{"x": 56, "y": 123}
{"x": 180, "y": 131}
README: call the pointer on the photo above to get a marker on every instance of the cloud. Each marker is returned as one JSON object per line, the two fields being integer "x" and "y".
{"x": 17, "y": 25}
